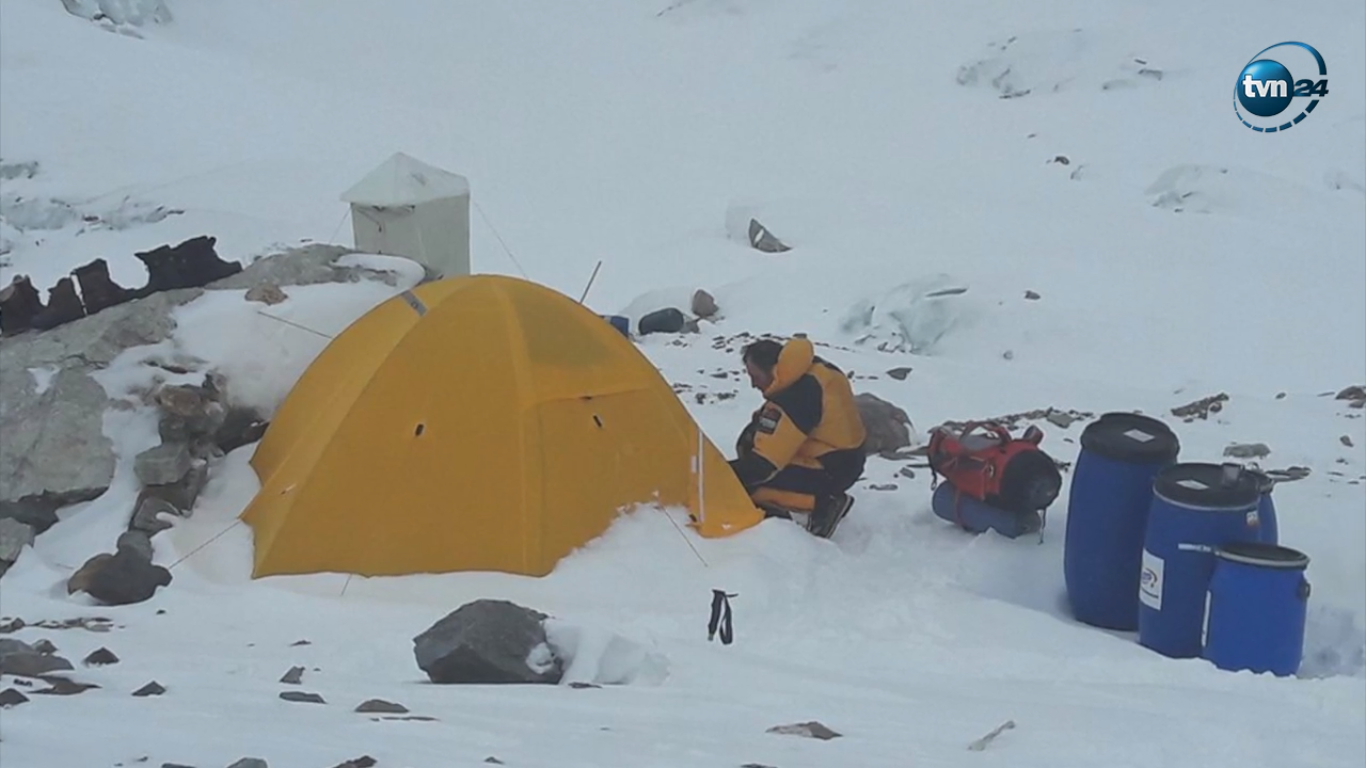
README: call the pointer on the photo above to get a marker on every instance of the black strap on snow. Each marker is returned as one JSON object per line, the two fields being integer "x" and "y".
{"x": 720, "y": 617}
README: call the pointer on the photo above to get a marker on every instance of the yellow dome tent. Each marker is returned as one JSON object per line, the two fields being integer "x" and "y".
{"x": 476, "y": 423}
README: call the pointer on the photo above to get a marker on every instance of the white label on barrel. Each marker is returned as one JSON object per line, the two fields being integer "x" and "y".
{"x": 1139, "y": 435}
{"x": 1194, "y": 485}
{"x": 1150, "y": 581}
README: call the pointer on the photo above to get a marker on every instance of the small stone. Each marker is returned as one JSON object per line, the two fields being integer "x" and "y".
{"x": 298, "y": 643}
{"x": 266, "y": 293}
{"x": 32, "y": 664}
{"x": 1356, "y": 392}
{"x": 137, "y": 541}
{"x": 11, "y": 697}
{"x": 364, "y": 761}
{"x": 1280, "y": 395}
{"x": 148, "y": 516}
{"x": 882, "y": 487}
{"x": 175, "y": 765}
{"x": 491, "y": 760}
{"x": 580, "y": 686}
{"x": 1060, "y": 419}
{"x": 1346, "y": 440}
{"x": 907, "y": 472}
{"x": 302, "y": 697}
{"x": 703, "y": 304}
{"x": 44, "y": 646}
{"x": 250, "y": 762}
{"x": 100, "y": 658}
{"x": 1061, "y": 160}
{"x": 899, "y": 374}
{"x": 1008, "y": 355}
{"x": 294, "y": 676}
{"x": 162, "y": 465}
{"x": 151, "y": 689}
{"x": 60, "y": 686}
{"x": 811, "y": 730}
{"x": 1032, "y": 296}
{"x": 380, "y": 706}
{"x": 1247, "y": 451}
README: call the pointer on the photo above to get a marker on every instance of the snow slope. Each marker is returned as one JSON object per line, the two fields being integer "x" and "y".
{"x": 872, "y": 137}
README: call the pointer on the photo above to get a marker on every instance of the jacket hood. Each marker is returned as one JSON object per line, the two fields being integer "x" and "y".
{"x": 795, "y": 360}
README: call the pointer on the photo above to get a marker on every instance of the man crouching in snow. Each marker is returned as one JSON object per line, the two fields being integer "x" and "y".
{"x": 803, "y": 448}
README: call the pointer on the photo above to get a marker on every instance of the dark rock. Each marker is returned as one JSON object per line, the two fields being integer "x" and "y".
{"x": 888, "y": 427}
{"x": 37, "y": 512}
{"x": 491, "y": 760}
{"x": 380, "y": 706}
{"x": 811, "y": 730}
{"x": 20, "y": 303}
{"x": 703, "y": 304}
{"x": 175, "y": 765}
{"x": 899, "y": 374}
{"x": 138, "y": 541}
{"x": 1032, "y": 296}
{"x": 1345, "y": 440}
{"x": 760, "y": 239}
{"x": 61, "y": 686}
{"x": 294, "y": 676}
{"x": 581, "y": 686}
{"x": 101, "y": 657}
{"x": 907, "y": 472}
{"x": 250, "y": 762}
{"x": 14, "y": 536}
{"x": 364, "y": 761}
{"x": 191, "y": 264}
{"x": 98, "y": 290}
{"x": 487, "y": 642}
{"x": 1202, "y": 408}
{"x": 241, "y": 426}
{"x": 32, "y": 664}
{"x": 11, "y": 697}
{"x": 45, "y": 647}
{"x": 183, "y": 493}
{"x": 123, "y": 578}
{"x": 1355, "y": 392}
{"x": 667, "y": 320}
{"x": 63, "y": 306}
{"x": 162, "y": 465}
{"x": 148, "y": 519}
{"x": 151, "y": 689}
{"x": 882, "y": 487}
{"x": 302, "y": 697}
{"x": 298, "y": 643}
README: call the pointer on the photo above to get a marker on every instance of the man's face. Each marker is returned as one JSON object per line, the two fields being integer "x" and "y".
{"x": 759, "y": 378}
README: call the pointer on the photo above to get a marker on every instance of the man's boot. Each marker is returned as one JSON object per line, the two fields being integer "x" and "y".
{"x": 828, "y": 513}
{"x": 98, "y": 290}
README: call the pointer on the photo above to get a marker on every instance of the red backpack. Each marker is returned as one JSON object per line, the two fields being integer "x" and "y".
{"x": 1008, "y": 473}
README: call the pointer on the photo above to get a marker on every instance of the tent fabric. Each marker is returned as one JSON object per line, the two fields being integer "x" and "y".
{"x": 404, "y": 180}
{"x": 476, "y": 423}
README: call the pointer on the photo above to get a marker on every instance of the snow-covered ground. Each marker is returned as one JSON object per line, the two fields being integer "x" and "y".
{"x": 873, "y": 138}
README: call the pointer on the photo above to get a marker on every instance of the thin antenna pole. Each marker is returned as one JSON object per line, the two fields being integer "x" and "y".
{"x": 591, "y": 278}
{"x": 296, "y": 325}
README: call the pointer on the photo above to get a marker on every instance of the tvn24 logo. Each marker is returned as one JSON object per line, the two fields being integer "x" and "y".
{"x": 1266, "y": 91}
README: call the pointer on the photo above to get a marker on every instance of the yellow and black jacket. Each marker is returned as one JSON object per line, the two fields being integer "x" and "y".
{"x": 808, "y": 419}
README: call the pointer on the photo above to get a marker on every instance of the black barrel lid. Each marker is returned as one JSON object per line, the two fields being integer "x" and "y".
{"x": 1131, "y": 437}
{"x": 1267, "y": 555}
{"x": 1213, "y": 486}
{"x": 1265, "y": 482}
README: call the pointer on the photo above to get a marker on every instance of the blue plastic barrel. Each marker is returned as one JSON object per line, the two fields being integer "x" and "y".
{"x": 622, "y": 324}
{"x": 1107, "y": 511}
{"x": 977, "y": 516}
{"x": 1266, "y": 508}
{"x": 1196, "y": 508}
{"x": 1258, "y": 600}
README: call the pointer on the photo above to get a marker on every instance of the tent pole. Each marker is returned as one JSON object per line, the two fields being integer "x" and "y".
{"x": 591, "y": 278}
